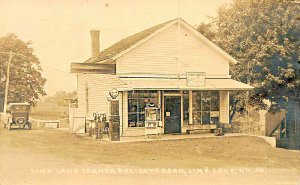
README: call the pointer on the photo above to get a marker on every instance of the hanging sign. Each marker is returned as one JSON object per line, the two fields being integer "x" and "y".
{"x": 195, "y": 79}
{"x": 113, "y": 93}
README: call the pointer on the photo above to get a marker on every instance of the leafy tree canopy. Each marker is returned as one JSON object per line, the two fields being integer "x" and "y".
{"x": 26, "y": 81}
{"x": 264, "y": 36}
{"x": 61, "y": 98}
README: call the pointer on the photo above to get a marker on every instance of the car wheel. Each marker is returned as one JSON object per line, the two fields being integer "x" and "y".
{"x": 29, "y": 126}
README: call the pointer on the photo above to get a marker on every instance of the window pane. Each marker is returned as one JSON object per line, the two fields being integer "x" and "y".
{"x": 197, "y": 101}
{"x": 215, "y": 102}
{"x": 132, "y": 105}
{"x": 151, "y": 101}
{"x": 129, "y": 94}
{"x": 205, "y": 101}
{"x": 132, "y": 119}
{"x": 132, "y": 94}
{"x": 143, "y": 94}
{"x": 196, "y": 118}
{"x": 142, "y": 105}
{"x": 141, "y": 120}
{"x": 205, "y": 117}
{"x": 148, "y": 94}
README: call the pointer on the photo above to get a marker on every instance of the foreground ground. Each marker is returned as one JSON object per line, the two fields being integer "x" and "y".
{"x": 58, "y": 157}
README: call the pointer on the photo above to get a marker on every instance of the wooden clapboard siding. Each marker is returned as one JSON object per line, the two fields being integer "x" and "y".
{"x": 81, "y": 95}
{"x": 166, "y": 54}
{"x": 99, "y": 86}
{"x": 224, "y": 106}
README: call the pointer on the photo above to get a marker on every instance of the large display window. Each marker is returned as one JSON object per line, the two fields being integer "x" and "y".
{"x": 137, "y": 101}
{"x": 206, "y": 105}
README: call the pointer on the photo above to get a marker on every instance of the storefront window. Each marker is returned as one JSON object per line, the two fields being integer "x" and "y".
{"x": 137, "y": 101}
{"x": 205, "y": 107}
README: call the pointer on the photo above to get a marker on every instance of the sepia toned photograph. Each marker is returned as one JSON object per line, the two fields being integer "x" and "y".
{"x": 164, "y": 92}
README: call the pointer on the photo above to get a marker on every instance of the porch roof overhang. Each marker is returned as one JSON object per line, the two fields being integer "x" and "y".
{"x": 93, "y": 68}
{"x": 181, "y": 84}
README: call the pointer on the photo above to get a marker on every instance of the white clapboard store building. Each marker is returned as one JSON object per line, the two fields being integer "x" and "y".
{"x": 170, "y": 65}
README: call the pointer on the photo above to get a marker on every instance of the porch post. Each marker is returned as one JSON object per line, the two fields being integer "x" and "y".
{"x": 125, "y": 111}
{"x": 121, "y": 112}
{"x": 190, "y": 107}
{"x": 224, "y": 106}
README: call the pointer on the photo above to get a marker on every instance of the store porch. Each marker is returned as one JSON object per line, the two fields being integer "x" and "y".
{"x": 180, "y": 136}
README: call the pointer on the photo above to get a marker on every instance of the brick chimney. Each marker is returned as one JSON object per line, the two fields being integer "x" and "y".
{"x": 95, "y": 44}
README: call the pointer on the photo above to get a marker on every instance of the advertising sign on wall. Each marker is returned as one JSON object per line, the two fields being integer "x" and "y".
{"x": 195, "y": 79}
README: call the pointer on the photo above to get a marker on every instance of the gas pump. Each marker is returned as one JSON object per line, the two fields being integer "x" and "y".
{"x": 114, "y": 119}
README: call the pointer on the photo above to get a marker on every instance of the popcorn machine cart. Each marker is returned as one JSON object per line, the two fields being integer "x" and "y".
{"x": 153, "y": 122}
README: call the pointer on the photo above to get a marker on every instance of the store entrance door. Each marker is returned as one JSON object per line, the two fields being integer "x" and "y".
{"x": 172, "y": 114}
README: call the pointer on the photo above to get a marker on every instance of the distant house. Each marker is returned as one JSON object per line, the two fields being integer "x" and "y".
{"x": 171, "y": 66}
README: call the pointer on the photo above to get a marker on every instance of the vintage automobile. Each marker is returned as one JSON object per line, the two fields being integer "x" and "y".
{"x": 18, "y": 116}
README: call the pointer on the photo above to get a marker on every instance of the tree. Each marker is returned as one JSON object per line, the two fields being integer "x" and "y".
{"x": 26, "y": 82}
{"x": 61, "y": 98}
{"x": 264, "y": 36}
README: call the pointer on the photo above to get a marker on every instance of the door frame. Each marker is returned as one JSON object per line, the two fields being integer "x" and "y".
{"x": 181, "y": 107}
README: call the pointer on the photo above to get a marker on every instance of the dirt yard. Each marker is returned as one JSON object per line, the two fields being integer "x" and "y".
{"x": 43, "y": 156}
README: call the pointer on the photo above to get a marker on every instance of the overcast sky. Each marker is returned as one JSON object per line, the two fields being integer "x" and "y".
{"x": 59, "y": 29}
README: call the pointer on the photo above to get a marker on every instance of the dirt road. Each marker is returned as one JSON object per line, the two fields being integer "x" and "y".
{"x": 51, "y": 157}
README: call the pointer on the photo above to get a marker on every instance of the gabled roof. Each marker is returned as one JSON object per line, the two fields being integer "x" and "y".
{"x": 125, "y": 45}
